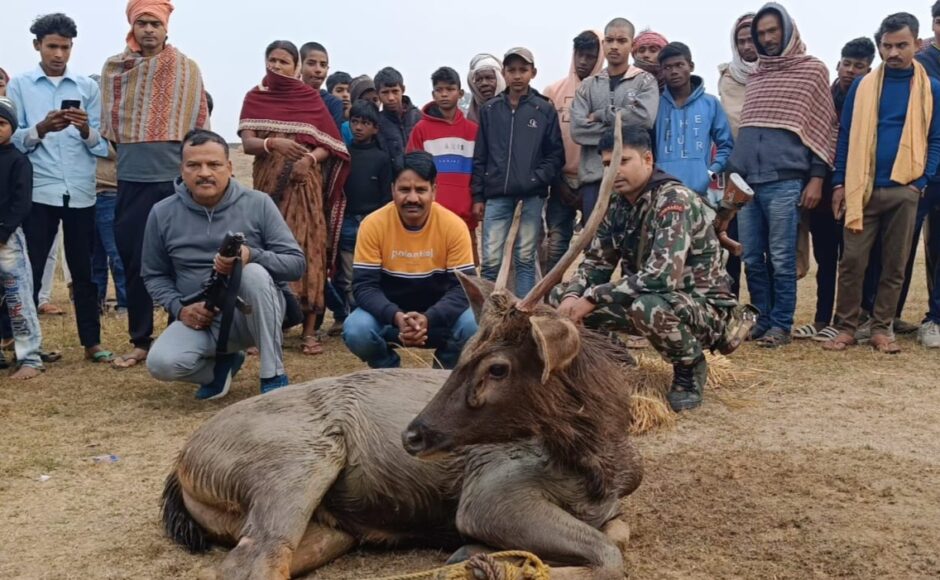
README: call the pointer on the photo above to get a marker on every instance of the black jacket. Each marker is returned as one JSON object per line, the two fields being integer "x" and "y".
{"x": 16, "y": 190}
{"x": 395, "y": 129}
{"x": 517, "y": 153}
{"x": 369, "y": 185}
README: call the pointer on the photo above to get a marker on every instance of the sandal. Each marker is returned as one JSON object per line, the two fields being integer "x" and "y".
{"x": 50, "y": 356}
{"x": 100, "y": 356}
{"x": 841, "y": 342}
{"x": 805, "y": 331}
{"x": 50, "y": 309}
{"x": 129, "y": 360}
{"x": 826, "y": 334}
{"x": 774, "y": 338}
{"x": 885, "y": 344}
{"x": 309, "y": 345}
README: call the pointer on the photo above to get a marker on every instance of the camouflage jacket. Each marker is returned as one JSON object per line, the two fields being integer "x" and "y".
{"x": 664, "y": 243}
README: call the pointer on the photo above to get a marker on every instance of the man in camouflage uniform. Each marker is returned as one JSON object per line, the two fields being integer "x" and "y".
{"x": 674, "y": 290}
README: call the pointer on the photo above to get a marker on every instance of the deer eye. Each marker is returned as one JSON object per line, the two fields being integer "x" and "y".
{"x": 499, "y": 371}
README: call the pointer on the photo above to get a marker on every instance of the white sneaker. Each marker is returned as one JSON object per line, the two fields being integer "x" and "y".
{"x": 929, "y": 334}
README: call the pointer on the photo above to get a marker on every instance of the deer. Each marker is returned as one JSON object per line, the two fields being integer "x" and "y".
{"x": 524, "y": 445}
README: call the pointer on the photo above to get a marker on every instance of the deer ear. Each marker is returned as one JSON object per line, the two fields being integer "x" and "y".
{"x": 477, "y": 290}
{"x": 558, "y": 341}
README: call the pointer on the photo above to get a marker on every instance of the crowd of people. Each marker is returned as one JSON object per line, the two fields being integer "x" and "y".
{"x": 368, "y": 206}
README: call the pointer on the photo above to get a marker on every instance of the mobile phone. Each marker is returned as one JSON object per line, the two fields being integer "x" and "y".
{"x": 71, "y": 104}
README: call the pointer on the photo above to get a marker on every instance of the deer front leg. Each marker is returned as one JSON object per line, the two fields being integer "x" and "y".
{"x": 525, "y": 520}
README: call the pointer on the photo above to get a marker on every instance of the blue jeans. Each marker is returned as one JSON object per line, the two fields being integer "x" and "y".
{"x": 589, "y": 194}
{"x": 369, "y": 340}
{"x": 496, "y": 222}
{"x": 768, "y": 227}
{"x": 105, "y": 252}
{"x": 17, "y": 277}
{"x": 559, "y": 226}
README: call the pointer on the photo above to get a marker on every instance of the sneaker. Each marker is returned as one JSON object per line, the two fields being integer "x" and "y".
{"x": 902, "y": 327}
{"x": 226, "y": 367}
{"x": 273, "y": 383}
{"x": 688, "y": 382}
{"x": 929, "y": 334}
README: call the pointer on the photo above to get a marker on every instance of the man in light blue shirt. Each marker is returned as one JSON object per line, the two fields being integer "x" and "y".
{"x": 58, "y": 118}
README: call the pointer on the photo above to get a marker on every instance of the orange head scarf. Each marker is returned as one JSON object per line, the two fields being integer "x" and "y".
{"x": 161, "y": 9}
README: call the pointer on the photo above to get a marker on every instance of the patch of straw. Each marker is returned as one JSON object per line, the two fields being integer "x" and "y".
{"x": 651, "y": 380}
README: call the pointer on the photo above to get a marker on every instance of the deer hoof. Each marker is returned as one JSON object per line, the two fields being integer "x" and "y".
{"x": 618, "y": 531}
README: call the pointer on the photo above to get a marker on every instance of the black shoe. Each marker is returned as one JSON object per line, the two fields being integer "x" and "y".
{"x": 688, "y": 382}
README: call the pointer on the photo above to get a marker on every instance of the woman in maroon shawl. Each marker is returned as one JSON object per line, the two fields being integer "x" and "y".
{"x": 302, "y": 162}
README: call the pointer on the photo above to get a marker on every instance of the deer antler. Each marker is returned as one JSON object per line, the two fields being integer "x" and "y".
{"x": 503, "y": 278}
{"x": 545, "y": 285}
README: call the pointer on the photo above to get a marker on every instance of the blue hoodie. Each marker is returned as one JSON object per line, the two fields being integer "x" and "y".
{"x": 684, "y": 137}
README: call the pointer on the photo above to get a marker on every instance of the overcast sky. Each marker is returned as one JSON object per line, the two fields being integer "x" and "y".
{"x": 417, "y": 36}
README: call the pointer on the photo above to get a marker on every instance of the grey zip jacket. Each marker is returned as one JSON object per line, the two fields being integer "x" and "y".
{"x": 637, "y": 96}
{"x": 183, "y": 237}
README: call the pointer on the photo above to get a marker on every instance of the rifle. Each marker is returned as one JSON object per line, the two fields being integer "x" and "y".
{"x": 737, "y": 194}
{"x": 220, "y": 292}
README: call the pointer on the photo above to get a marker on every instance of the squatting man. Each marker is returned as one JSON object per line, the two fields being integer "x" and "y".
{"x": 674, "y": 290}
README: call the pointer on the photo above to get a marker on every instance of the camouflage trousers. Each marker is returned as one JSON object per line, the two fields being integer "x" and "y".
{"x": 676, "y": 325}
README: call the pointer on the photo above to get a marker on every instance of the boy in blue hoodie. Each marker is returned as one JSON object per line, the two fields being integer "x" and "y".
{"x": 690, "y": 121}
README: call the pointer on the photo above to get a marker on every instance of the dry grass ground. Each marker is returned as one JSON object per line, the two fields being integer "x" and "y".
{"x": 822, "y": 465}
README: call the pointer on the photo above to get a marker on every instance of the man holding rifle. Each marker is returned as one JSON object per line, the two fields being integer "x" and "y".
{"x": 181, "y": 242}
{"x": 674, "y": 290}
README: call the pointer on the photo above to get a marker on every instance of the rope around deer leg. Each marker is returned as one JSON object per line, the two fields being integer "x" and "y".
{"x": 510, "y": 565}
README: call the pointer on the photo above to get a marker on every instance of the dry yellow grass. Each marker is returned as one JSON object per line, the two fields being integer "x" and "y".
{"x": 816, "y": 464}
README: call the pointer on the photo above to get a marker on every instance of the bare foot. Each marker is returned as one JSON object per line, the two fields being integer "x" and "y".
{"x": 97, "y": 354}
{"x": 24, "y": 373}
{"x": 131, "y": 359}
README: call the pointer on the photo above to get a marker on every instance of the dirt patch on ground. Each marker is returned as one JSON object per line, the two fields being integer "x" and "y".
{"x": 823, "y": 465}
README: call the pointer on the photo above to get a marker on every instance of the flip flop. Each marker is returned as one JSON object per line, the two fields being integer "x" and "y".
{"x": 100, "y": 356}
{"x": 840, "y": 343}
{"x": 884, "y": 344}
{"x": 310, "y": 346}
{"x": 130, "y": 360}
{"x": 50, "y": 309}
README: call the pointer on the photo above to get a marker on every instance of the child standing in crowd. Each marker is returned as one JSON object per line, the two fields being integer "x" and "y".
{"x": 16, "y": 177}
{"x": 399, "y": 116}
{"x": 446, "y": 134}
{"x": 518, "y": 154}
{"x": 688, "y": 123}
{"x": 337, "y": 84}
{"x": 368, "y": 188}
{"x": 315, "y": 64}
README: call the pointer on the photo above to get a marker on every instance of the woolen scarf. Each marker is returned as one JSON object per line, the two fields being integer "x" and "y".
{"x": 791, "y": 92}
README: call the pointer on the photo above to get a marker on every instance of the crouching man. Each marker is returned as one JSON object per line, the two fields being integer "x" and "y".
{"x": 181, "y": 245}
{"x": 674, "y": 290}
{"x": 404, "y": 274}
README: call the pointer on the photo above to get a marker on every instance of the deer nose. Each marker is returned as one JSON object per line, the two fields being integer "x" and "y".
{"x": 413, "y": 439}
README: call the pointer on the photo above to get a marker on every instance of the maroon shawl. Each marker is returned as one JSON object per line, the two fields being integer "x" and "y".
{"x": 282, "y": 104}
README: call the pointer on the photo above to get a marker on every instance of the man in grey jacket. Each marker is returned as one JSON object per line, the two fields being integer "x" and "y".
{"x": 180, "y": 250}
{"x": 619, "y": 87}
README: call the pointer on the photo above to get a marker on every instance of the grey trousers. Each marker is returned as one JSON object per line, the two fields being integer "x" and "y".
{"x": 188, "y": 355}
{"x": 890, "y": 215}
